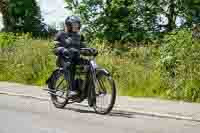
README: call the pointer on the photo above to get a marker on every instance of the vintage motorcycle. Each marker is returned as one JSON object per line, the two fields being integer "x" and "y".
{"x": 95, "y": 84}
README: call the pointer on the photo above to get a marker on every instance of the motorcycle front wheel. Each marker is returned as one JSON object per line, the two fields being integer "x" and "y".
{"x": 105, "y": 93}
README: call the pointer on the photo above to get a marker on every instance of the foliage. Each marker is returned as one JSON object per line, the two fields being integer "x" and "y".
{"x": 135, "y": 69}
{"x": 124, "y": 20}
{"x": 192, "y": 10}
{"x": 22, "y": 16}
{"x": 170, "y": 71}
{"x": 7, "y": 40}
{"x": 31, "y": 61}
{"x": 133, "y": 20}
{"x": 180, "y": 65}
{"x": 4, "y": 12}
{"x": 26, "y": 60}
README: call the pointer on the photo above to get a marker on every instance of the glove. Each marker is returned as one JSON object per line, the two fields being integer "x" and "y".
{"x": 65, "y": 52}
{"x": 61, "y": 51}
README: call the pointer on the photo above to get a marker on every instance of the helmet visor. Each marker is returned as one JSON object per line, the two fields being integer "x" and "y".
{"x": 75, "y": 27}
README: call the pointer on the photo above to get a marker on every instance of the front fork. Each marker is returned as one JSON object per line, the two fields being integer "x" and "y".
{"x": 91, "y": 88}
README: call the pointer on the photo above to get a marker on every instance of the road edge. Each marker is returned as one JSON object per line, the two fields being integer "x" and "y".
{"x": 137, "y": 112}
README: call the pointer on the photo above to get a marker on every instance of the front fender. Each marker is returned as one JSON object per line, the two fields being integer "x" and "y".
{"x": 102, "y": 71}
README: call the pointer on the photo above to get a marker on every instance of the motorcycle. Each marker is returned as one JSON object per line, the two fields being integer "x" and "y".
{"x": 92, "y": 82}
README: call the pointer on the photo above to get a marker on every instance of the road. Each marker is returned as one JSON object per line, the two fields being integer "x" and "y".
{"x": 26, "y": 115}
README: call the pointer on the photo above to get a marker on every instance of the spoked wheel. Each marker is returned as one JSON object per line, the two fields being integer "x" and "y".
{"x": 105, "y": 93}
{"x": 59, "y": 89}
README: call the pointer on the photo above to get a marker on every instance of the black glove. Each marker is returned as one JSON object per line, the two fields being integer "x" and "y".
{"x": 74, "y": 52}
{"x": 89, "y": 51}
{"x": 65, "y": 52}
{"x": 61, "y": 51}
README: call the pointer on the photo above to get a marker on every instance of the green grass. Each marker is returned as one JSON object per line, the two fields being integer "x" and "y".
{"x": 27, "y": 61}
{"x": 132, "y": 78}
{"x": 137, "y": 71}
{"x": 31, "y": 61}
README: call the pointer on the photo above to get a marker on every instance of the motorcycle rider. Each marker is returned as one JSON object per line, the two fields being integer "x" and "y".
{"x": 68, "y": 44}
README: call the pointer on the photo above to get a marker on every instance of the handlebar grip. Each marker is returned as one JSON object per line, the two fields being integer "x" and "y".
{"x": 89, "y": 51}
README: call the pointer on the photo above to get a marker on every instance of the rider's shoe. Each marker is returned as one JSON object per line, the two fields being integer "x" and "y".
{"x": 72, "y": 94}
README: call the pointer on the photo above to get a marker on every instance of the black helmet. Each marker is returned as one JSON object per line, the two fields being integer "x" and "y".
{"x": 69, "y": 21}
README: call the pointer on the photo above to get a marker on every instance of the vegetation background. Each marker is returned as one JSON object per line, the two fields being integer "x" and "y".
{"x": 150, "y": 47}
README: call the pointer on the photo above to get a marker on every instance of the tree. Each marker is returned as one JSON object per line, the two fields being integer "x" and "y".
{"x": 132, "y": 20}
{"x": 5, "y": 14}
{"x": 26, "y": 16}
{"x": 72, "y": 5}
{"x": 193, "y": 10}
{"x": 21, "y": 16}
{"x": 188, "y": 10}
{"x": 116, "y": 19}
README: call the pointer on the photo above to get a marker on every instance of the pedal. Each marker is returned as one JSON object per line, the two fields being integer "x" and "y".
{"x": 51, "y": 90}
{"x": 61, "y": 96}
{"x": 75, "y": 99}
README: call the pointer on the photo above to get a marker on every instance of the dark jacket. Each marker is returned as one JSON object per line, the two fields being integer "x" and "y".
{"x": 69, "y": 40}
{"x": 69, "y": 43}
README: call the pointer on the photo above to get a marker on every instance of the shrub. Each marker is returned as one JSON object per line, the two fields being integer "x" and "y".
{"x": 180, "y": 60}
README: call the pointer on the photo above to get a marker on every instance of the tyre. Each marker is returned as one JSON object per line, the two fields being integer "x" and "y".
{"x": 105, "y": 93}
{"x": 58, "y": 89}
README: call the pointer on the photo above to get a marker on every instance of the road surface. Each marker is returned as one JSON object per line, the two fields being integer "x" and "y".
{"x": 26, "y": 115}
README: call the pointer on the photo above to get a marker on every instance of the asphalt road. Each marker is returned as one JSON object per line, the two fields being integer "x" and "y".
{"x": 24, "y": 115}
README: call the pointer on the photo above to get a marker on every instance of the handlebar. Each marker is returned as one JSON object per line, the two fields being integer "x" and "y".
{"x": 83, "y": 51}
{"x": 88, "y": 52}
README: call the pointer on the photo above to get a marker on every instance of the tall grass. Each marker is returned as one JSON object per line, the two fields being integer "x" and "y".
{"x": 31, "y": 61}
{"x": 170, "y": 70}
{"x": 136, "y": 72}
{"x": 25, "y": 60}
{"x": 180, "y": 63}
